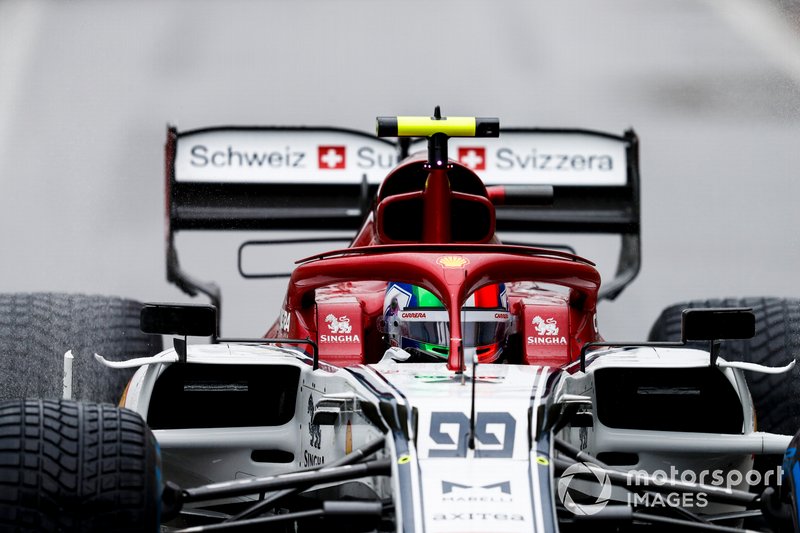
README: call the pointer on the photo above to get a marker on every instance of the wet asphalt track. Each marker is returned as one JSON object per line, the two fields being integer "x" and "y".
{"x": 87, "y": 88}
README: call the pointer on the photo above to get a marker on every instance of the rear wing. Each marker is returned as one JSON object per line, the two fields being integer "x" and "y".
{"x": 265, "y": 178}
{"x": 595, "y": 180}
{"x": 239, "y": 178}
{"x": 306, "y": 178}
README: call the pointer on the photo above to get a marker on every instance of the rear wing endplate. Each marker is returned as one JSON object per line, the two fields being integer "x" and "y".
{"x": 309, "y": 178}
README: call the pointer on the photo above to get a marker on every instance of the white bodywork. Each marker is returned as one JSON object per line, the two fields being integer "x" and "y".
{"x": 438, "y": 481}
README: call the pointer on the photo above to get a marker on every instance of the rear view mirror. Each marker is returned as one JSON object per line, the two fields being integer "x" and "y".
{"x": 700, "y": 324}
{"x": 717, "y": 324}
{"x": 179, "y": 319}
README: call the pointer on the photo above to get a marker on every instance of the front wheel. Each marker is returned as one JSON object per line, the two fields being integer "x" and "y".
{"x": 77, "y": 467}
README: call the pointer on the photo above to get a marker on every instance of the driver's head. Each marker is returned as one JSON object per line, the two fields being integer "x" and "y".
{"x": 418, "y": 322}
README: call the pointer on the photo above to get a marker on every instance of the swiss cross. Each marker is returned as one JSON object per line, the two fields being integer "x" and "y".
{"x": 474, "y": 158}
{"x": 331, "y": 157}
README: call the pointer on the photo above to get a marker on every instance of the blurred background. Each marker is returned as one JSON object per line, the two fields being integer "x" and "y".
{"x": 87, "y": 89}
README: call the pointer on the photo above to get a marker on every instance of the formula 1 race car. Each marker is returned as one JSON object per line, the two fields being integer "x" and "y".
{"x": 427, "y": 377}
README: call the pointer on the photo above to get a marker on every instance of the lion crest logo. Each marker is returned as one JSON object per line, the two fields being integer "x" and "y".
{"x": 545, "y": 327}
{"x": 314, "y": 431}
{"x": 338, "y": 325}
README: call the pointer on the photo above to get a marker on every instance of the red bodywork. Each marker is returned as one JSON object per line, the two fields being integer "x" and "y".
{"x": 436, "y": 229}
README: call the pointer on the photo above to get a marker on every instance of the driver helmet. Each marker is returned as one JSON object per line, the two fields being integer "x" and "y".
{"x": 416, "y": 321}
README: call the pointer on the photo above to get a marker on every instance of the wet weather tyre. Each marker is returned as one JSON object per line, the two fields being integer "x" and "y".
{"x": 76, "y": 467}
{"x": 777, "y": 341}
{"x": 36, "y": 329}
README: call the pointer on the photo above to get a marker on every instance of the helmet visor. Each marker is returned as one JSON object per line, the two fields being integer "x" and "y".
{"x": 479, "y": 327}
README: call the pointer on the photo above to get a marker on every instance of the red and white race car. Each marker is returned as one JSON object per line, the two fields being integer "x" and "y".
{"x": 427, "y": 377}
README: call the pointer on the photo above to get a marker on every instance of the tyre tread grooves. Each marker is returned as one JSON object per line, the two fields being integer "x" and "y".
{"x": 100, "y": 480}
{"x": 36, "y": 329}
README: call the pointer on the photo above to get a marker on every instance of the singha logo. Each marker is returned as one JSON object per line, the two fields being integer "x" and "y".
{"x": 315, "y": 434}
{"x": 545, "y": 327}
{"x": 338, "y": 325}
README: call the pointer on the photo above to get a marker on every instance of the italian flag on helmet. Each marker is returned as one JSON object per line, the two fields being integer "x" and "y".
{"x": 416, "y": 320}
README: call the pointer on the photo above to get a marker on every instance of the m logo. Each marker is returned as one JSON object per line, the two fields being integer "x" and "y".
{"x": 331, "y": 157}
{"x": 449, "y": 486}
